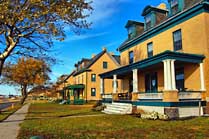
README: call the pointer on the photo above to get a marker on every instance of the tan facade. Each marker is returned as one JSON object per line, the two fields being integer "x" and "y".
{"x": 195, "y": 40}
{"x": 96, "y": 68}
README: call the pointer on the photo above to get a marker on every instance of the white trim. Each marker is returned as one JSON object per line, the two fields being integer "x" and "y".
{"x": 114, "y": 84}
{"x": 101, "y": 86}
{"x": 165, "y": 75}
{"x": 173, "y": 75}
{"x": 169, "y": 74}
{"x": 135, "y": 80}
{"x": 202, "y": 88}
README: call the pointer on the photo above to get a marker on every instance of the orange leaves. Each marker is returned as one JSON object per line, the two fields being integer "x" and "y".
{"x": 28, "y": 71}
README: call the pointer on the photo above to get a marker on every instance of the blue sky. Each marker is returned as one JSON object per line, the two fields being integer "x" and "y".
{"x": 109, "y": 18}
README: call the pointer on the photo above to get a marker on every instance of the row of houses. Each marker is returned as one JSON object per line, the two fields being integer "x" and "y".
{"x": 163, "y": 65}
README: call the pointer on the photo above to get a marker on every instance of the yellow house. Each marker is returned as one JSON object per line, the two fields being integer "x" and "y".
{"x": 165, "y": 60}
{"x": 84, "y": 82}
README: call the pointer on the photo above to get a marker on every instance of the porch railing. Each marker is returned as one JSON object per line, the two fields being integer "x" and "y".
{"x": 107, "y": 96}
{"x": 190, "y": 95}
{"x": 150, "y": 96}
{"x": 124, "y": 96}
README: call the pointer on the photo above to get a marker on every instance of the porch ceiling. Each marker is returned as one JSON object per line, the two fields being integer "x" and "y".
{"x": 178, "y": 56}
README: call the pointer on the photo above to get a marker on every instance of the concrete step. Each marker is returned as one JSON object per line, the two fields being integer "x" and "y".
{"x": 107, "y": 111}
{"x": 111, "y": 112}
{"x": 121, "y": 104}
{"x": 118, "y": 108}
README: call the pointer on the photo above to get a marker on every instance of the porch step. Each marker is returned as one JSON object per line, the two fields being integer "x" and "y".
{"x": 118, "y": 108}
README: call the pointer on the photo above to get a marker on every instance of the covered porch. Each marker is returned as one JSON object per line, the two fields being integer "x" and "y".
{"x": 75, "y": 93}
{"x": 166, "y": 77}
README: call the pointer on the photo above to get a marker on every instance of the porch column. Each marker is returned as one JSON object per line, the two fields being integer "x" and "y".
{"x": 165, "y": 75}
{"x": 202, "y": 77}
{"x": 135, "y": 80}
{"x": 169, "y": 74}
{"x": 114, "y": 84}
{"x": 101, "y": 86}
{"x": 173, "y": 79}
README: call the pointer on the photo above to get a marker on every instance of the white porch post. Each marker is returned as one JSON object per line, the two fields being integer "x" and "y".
{"x": 135, "y": 80}
{"x": 202, "y": 77}
{"x": 165, "y": 75}
{"x": 101, "y": 86}
{"x": 114, "y": 84}
{"x": 173, "y": 79}
{"x": 169, "y": 74}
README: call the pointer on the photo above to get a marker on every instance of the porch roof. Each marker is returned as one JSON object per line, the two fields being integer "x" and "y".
{"x": 178, "y": 56}
{"x": 75, "y": 86}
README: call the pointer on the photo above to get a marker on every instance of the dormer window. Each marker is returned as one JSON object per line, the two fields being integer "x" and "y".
{"x": 148, "y": 21}
{"x": 174, "y": 6}
{"x": 134, "y": 28}
{"x": 131, "y": 32}
{"x": 154, "y": 15}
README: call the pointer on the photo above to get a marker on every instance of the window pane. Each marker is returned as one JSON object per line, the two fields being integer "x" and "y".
{"x": 93, "y": 92}
{"x": 150, "y": 49}
{"x": 131, "y": 57}
{"x": 177, "y": 40}
{"x": 104, "y": 65}
{"x": 180, "y": 79}
{"x": 93, "y": 77}
{"x": 148, "y": 21}
{"x": 148, "y": 18}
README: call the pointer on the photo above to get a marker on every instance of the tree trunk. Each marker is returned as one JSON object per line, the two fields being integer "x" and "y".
{"x": 24, "y": 94}
{"x": 1, "y": 65}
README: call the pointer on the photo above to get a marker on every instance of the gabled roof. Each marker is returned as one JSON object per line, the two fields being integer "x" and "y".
{"x": 94, "y": 59}
{"x": 117, "y": 58}
{"x": 69, "y": 75}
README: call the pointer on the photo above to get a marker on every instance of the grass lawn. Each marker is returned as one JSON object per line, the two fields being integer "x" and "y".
{"x": 105, "y": 126}
{"x": 4, "y": 114}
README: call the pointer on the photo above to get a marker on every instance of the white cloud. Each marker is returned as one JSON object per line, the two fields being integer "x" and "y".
{"x": 85, "y": 36}
{"x": 104, "y": 10}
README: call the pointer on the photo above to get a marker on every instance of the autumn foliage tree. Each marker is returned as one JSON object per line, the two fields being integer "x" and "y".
{"x": 26, "y": 73}
{"x": 27, "y": 27}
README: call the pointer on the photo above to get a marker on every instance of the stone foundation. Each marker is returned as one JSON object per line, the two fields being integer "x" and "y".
{"x": 172, "y": 113}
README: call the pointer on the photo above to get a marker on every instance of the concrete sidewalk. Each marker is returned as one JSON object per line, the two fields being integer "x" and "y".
{"x": 9, "y": 128}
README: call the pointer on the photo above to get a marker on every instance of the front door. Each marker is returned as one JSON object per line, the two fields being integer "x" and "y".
{"x": 151, "y": 84}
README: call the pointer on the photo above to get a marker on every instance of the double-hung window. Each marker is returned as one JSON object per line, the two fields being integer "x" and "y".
{"x": 105, "y": 65}
{"x": 93, "y": 77}
{"x": 150, "y": 49}
{"x": 177, "y": 40}
{"x": 131, "y": 32}
{"x": 131, "y": 57}
{"x": 148, "y": 21}
{"x": 93, "y": 92}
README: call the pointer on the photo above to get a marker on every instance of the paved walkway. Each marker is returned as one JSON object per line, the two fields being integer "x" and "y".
{"x": 9, "y": 128}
